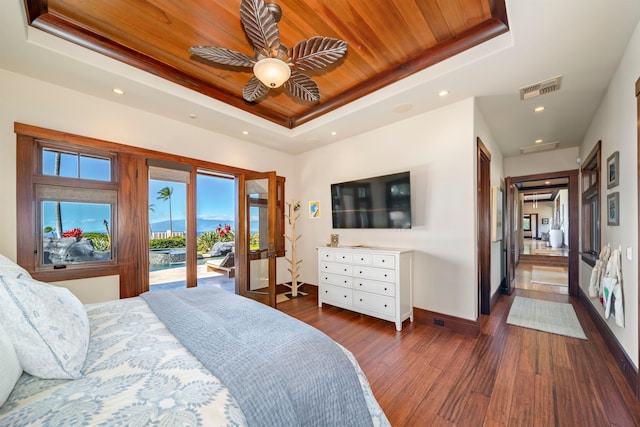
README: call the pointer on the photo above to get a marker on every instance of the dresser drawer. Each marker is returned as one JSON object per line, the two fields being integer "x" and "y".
{"x": 334, "y": 267}
{"x": 336, "y": 294}
{"x": 362, "y": 259}
{"x": 378, "y": 303}
{"x": 387, "y": 261}
{"x": 336, "y": 279}
{"x": 324, "y": 255}
{"x": 382, "y": 288}
{"x": 343, "y": 257}
{"x": 374, "y": 273}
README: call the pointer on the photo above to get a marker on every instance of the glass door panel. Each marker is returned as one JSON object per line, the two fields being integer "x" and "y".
{"x": 257, "y": 251}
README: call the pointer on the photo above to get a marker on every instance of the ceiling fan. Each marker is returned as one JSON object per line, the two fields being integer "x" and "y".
{"x": 273, "y": 63}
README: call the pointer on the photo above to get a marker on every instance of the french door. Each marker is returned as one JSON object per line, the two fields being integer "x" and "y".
{"x": 256, "y": 241}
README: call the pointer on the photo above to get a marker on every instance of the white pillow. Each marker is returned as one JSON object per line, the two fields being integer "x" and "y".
{"x": 48, "y": 326}
{"x": 11, "y": 269}
{"x": 11, "y": 369}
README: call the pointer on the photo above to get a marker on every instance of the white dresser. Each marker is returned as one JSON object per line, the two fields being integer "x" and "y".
{"x": 370, "y": 280}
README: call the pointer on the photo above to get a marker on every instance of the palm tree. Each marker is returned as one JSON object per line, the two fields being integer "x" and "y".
{"x": 152, "y": 208}
{"x": 165, "y": 194}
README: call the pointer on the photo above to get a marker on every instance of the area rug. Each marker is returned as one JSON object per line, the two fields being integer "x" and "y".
{"x": 549, "y": 276}
{"x": 548, "y": 316}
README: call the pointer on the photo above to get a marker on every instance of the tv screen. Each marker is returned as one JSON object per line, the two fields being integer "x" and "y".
{"x": 379, "y": 202}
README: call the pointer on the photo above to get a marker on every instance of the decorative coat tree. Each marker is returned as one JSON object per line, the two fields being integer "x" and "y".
{"x": 293, "y": 207}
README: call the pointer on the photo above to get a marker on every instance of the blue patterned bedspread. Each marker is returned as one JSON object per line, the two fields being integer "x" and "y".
{"x": 137, "y": 373}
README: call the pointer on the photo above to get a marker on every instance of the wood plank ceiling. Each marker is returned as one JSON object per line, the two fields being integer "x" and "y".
{"x": 387, "y": 41}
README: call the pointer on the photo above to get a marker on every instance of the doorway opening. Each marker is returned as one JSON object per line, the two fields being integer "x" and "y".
{"x": 544, "y": 233}
{"x": 169, "y": 219}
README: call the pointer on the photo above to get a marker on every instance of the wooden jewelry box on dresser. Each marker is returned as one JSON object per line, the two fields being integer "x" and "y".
{"x": 368, "y": 280}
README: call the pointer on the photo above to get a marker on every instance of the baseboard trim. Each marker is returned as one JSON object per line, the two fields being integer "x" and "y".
{"x": 458, "y": 325}
{"x": 494, "y": 298}
{"x": 624, "y": 363}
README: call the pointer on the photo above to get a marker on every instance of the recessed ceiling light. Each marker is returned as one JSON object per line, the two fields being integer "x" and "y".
{"x": 538, "y": 109}
{"x": 443, "y": 93}
{"x": 547, "y": 182}
{"x": 334, "y": 133}
{"x": 245, "y": 132}
{"x": 118, "y": 91}
{"x": 313, "y": 140}
{"x": 193, "y": 116}
{"x": 538, "y": 141}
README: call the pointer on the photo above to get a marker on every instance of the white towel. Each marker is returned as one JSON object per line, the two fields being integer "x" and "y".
{"x": 612, "y": 289}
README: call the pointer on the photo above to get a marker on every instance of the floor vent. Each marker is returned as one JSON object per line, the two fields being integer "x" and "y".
{"x": 540, "y": 88}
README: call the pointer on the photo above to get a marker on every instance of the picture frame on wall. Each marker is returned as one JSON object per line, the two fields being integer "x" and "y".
{"x": 613, "y": 170}
{"x": 613, "y": 208}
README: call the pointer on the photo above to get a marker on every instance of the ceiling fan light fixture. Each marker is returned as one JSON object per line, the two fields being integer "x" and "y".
{"x": 272, "y": 72}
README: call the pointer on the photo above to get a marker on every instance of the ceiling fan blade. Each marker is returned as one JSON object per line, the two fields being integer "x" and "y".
{"x": 317, "y": 52}
{"x": 254, "y": 89}
{"x": 222, "y": 55}
{"x": 260, "y": 26}
{"x": 302, "y": 86}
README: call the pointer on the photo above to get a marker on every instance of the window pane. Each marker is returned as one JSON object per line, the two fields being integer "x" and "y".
{"x": 59, "y": 164}
{"x": 75, "y": 232}
{"x": 95, "y": 168}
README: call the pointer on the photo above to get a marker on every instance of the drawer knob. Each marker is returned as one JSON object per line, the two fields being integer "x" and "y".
{"x": 360, "y": 284}
{"x": 360, "y": 299}
{"x": 345, "y": 281}
{"x": 385, "y": 289}
{"x": 385, "y": 275}
{"x": 360, "y": 271}
{"x": 382, "y": 260}
{"x": 345, "y": 296}
{"x": 326, "y": 292}
{"x": 361, "y": 259}
{"x": 385, "y": 306}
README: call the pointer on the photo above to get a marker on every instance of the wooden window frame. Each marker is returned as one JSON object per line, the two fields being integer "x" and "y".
{"x": 590, "y": 216}
{"x": 129, "y": 179}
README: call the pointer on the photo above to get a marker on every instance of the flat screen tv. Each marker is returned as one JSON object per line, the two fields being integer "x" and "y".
{"x": 378, "y": 202}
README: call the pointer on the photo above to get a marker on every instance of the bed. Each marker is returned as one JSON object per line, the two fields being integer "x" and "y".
{"x": 251, "y": 365}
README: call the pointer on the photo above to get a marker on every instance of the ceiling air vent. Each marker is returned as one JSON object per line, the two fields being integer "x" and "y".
{"x": 540, "y": 88}
{"x": 540, "y": 147}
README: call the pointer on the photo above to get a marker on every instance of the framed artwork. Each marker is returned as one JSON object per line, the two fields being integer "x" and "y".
{"x": 613, "y": 170}
{"x": 613, "y": 208}
{"x": 545, "y": 221}
{"x": 496, "y": 214}
{"x": 314, "y": 209}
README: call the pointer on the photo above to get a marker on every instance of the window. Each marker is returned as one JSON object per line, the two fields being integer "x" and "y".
{"x": 72, "y": 193}
{"x": 591, "y": 206}
{"x": 74, "y": 208}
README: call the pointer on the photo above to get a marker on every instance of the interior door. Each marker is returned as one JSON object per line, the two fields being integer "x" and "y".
{"x": 256, "y": 246}
{"x": 510, "y": 235}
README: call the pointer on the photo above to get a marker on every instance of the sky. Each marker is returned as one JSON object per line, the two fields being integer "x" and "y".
{"x": 215, "y": 196}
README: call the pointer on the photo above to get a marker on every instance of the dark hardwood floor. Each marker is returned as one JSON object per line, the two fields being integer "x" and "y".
{"x": 509, "y": 376}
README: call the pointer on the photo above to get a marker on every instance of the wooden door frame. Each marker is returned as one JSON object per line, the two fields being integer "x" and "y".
{"x": 509, "y": 251}
{"x": 574, "y": 218}
{"x": 637, "y": 390}
{"x": 484, "y": 226}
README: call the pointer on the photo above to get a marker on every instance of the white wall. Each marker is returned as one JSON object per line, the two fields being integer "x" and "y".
{"x": 547, "y": 161}
{"x": 497, "y": 179}
{"x": 438, "y": 148}
{"x": 37, "y": 103}
{"x": 615, "y": 123}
